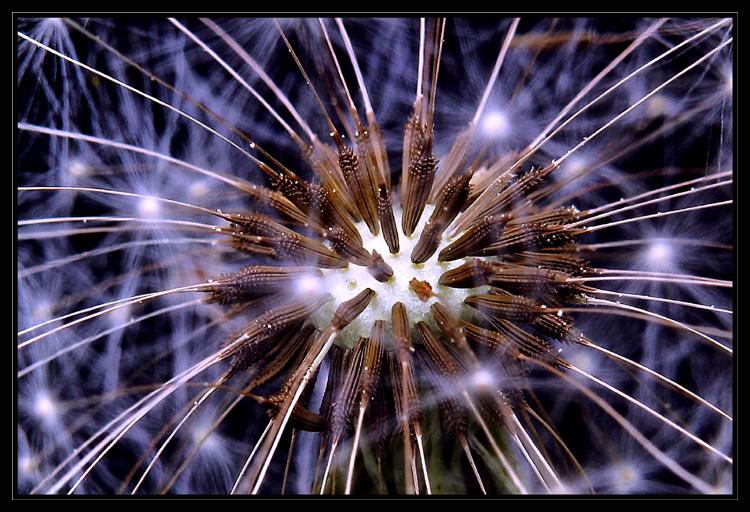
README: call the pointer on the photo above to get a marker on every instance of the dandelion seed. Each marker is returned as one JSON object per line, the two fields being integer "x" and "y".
{"x": 286, "y": 312}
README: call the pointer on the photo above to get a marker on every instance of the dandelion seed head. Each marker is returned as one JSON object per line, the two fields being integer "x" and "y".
{"x": 429, "y": 364}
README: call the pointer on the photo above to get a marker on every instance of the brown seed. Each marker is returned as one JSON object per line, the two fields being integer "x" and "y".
{"x": 304, "y": 419}
{"x": 346, "y": 247}
{"x": 505, "y": 307}
{"x": 439, "y": 355}
{"x": 279, "y": 202}
{"x": 292, "y": 188}
{"x": 480, "y": 336}
{"x": 562, "y": 259}
{"x": 279, "y": 317}
{"x": 378, "y": 145}
{"x": 532, "y": 280}
{"x": 354, "y": 176}
{"x": 411, "y": 130}
{"x": 376, "y": 191}
{"x": 336, "y": 377}
{"x": 429, "y": 241}
{"x": 341, "y": 412}
{"x": 372, "y": 361}
{"x": 471, "y": 274}
{"x": 405, "y": 396}
{"x": 301, "y": 418}
{"x": 503, "y": 195}
{"x": 531, "y": 236}
{"x": 276, "y": 319}
{"x": 401, "y": 330}
{"x": 479, "y": 235}
{"x": 419, "y": 184}
{"x": 284, "y": 241}
{"x": 378, "y": 268}
{"x": 251, "y": 245}
{"x": 328, "y": 210}
{"x": 525, "y": 343}
{"x": 255, "y": 281}
{"x": 451, "y": 326}
{"x": 449, "y": 203}
{"x": 283, "y": 355}
{"x": 454, "y": 160}
{"x": 387, "y": 220}
{"x": 323, "y": 159}
{"x": 349, "y": 310}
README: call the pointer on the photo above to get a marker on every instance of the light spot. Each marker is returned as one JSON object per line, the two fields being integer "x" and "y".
{"x": 78, "y": 168}
{"x": 45, "y": 407}
{"x": 207, "y": 439}
{"x": 27, "y": 465}
{"x": 658, "y": 106}
{"x": 574, "y": 166}
{"x": 496, "y": 124}
{"x": 148, "y": 207}
{"x": 583, "y": 360}
{"x": 626, "y": 476}
{"x": 727, "y": 82}
{"x": 659, "y": 254}
{"x": 120, "y": 316}
{"x": 482, "y": 379}
{"x": 42, "y": 310}
{"x": 308, "y": 285}
{"x": 198, "y": 189}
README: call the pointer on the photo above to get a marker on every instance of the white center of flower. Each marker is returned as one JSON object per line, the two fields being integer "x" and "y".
{"x": 344, "y": 284}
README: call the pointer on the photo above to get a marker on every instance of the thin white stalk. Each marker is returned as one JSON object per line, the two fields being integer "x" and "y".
{"x": 668, "y": 320}
{"x": 658, "y": 376}
{"x": 234, "y": 182}
{"x": 138, "y": 92}
{"x": 41, "y": 362}
{"x": 234, "y": 75}
{"x": 250, "y": 458}
{"x": 591, "y": 229}
{"x": 495, "y": 70}
{"x": 651, "y": 412}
